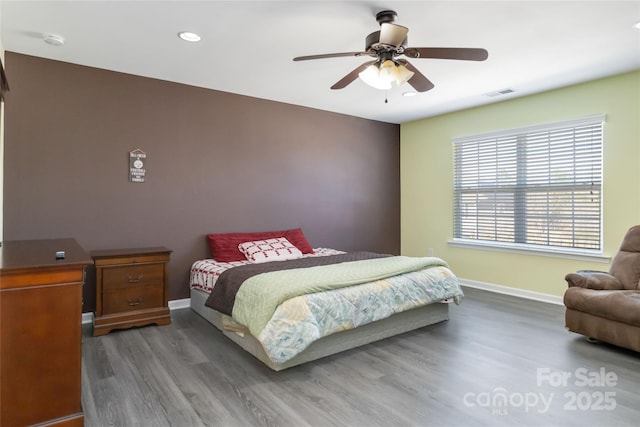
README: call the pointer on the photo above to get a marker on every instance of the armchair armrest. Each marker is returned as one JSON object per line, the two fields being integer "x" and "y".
{"x": 589, "y": 279}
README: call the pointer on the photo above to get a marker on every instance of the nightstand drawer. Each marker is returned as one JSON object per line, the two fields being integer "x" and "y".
{"x": 128, "y": 276}
{"x": 138, "y": 298}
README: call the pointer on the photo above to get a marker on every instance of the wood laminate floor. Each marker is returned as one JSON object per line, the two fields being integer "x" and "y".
{"x": 498, "y": 361}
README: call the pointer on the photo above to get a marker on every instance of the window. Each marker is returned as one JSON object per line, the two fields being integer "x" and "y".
{"x": 537, "y": 187}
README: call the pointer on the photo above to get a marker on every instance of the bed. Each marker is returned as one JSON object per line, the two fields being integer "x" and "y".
{"x": 287, "y": 303}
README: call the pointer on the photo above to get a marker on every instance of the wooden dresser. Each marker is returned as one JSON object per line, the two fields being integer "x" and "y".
{"x": 41, "y": 332}
{"x": 131, "y": 288}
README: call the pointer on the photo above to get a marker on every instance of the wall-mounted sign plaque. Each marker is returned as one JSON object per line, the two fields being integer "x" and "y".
{"x": 137, "y": 164}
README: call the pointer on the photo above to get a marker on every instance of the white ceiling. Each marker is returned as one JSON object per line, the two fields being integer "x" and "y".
{"x": 247, "y": 46}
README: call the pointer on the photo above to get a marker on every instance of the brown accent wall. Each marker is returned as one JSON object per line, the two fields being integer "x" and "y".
{"x": 217, "y": 162}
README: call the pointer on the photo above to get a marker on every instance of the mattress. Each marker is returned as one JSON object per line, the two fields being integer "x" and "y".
{"x": 332, "y": 344}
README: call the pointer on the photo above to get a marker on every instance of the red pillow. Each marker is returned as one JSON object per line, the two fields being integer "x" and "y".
{"x": 224, "y": 246}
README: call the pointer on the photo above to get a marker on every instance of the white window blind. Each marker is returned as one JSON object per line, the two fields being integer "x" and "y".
{"x": 539, "y": 185}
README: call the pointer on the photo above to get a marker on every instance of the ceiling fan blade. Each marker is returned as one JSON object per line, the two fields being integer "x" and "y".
{"x": 419, "y": 82}
{"x": 467, "y": 54}
{"x": 392, "y": 34}
{"x": 343, "y": 82}
{"x": 328, "y": 55}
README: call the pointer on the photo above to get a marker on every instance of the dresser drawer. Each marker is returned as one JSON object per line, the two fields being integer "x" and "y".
{"x": 128, "y": 276}
{"x": 138, "y": 298}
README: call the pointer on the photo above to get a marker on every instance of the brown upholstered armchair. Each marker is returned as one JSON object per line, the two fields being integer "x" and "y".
{"x": 606, "y": 306}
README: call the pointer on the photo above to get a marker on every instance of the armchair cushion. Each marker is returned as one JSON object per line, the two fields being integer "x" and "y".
{"x": 625, "y": 265}
{"x": 619, "y": 306}
{"x": 598, "y": 280}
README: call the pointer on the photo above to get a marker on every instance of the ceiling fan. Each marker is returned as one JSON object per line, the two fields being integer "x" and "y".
{"x": 388, "y": 44}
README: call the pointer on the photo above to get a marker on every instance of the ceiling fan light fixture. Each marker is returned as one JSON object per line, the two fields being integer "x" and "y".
{"x": 403, "y": 74}
{"x": 388, "y": 72}
{"x": 382, "y": 75}
{"x": 371, "y": 77}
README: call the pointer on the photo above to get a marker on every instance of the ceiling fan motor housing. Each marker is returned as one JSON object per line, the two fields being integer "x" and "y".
{"x": 372, "y": 42}
{"x": 386, "y": 16}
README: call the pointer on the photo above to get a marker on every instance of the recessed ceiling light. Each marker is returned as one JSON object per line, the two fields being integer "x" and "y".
{"x": 53, "y": 39}
{"x": 409, "y": 94}
{"x": 189, "y": 36}
{"x": 637, "y": 25}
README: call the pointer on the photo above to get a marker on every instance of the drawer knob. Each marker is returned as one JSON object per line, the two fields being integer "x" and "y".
{"x": 133, "y": 303}
{"x": 135, "y": 279}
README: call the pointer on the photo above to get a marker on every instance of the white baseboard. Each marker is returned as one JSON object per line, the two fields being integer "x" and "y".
{"x": 522, "y": 293}
{"x": 173, "y": 305}
{"x": 179, "y": 303}
{"x": 87, "y": 318}
{"x": 532, "y": 295}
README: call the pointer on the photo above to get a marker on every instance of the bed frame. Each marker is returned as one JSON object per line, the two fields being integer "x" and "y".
{"x": 332, "y": 344}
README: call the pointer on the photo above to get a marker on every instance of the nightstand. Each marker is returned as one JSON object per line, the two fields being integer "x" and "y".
{"x": 131, "y": 288}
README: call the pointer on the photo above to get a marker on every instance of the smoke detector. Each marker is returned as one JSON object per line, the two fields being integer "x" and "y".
{"x": 53, "y": 39}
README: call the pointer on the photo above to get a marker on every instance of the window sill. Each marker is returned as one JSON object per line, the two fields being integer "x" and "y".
{"x": 531, "y": 250}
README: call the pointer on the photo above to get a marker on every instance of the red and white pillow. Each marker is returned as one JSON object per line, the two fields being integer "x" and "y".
{"x": 276, "y": 249}
{"x": 224, "y": 246}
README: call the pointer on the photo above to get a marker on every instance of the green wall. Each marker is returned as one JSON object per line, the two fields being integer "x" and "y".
{"x": 427, "y": 179}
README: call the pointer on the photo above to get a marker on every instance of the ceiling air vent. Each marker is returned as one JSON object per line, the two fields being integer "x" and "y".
{"x": 499, "y": 93}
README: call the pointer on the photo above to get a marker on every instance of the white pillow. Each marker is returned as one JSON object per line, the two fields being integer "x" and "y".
{"x": 276, "y": 249}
